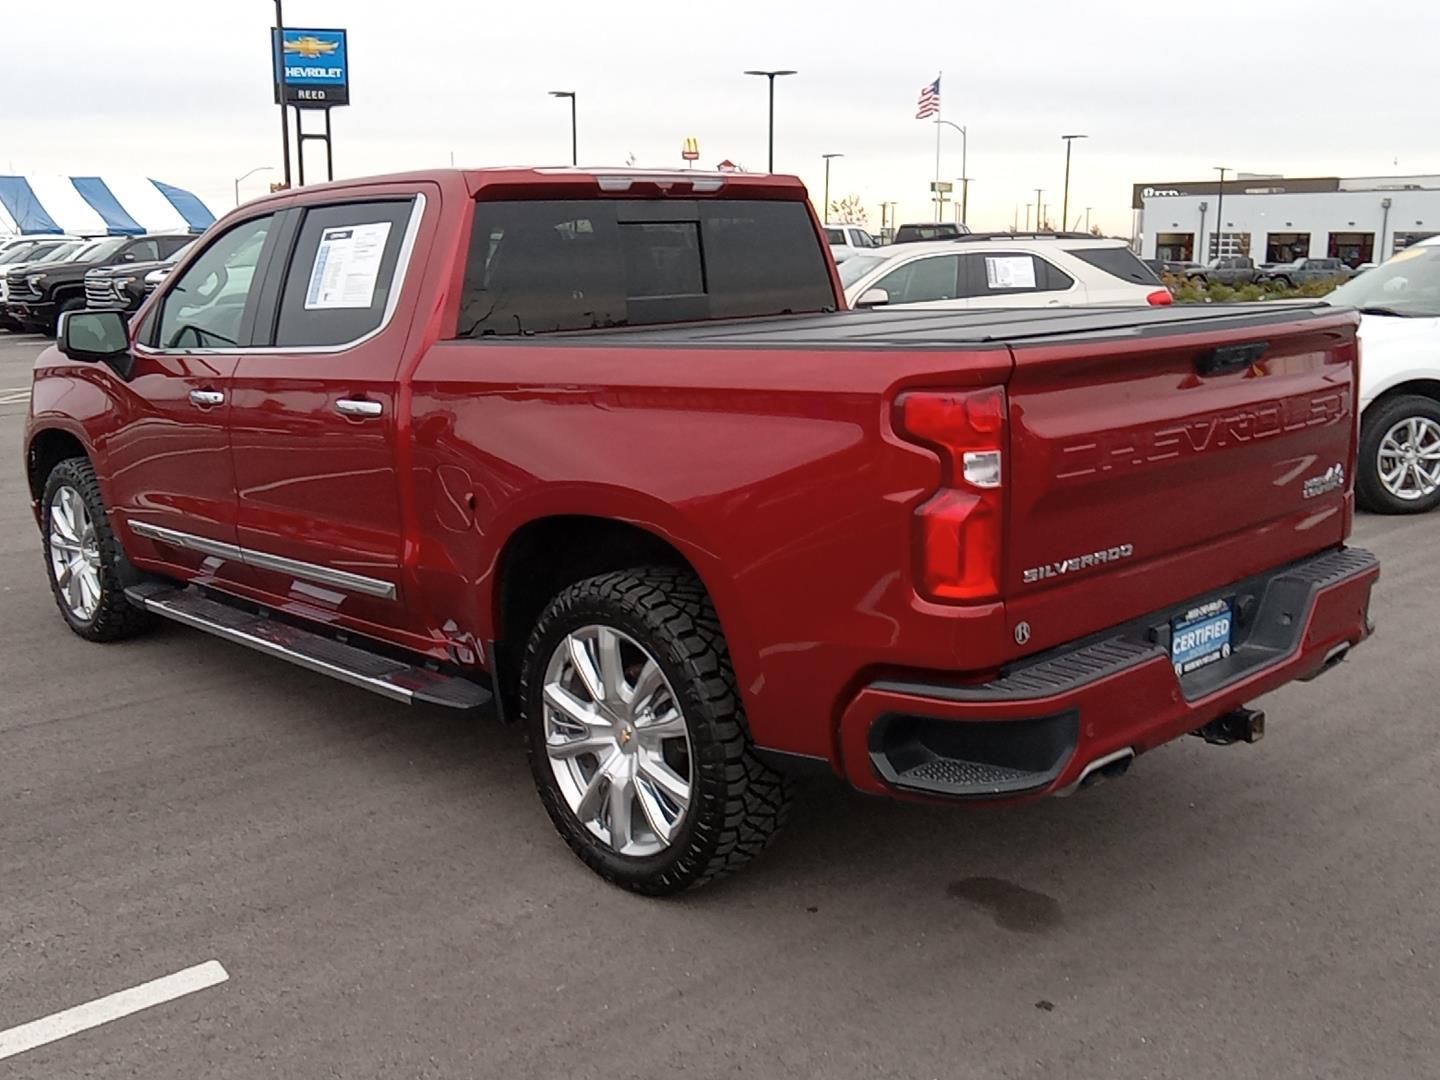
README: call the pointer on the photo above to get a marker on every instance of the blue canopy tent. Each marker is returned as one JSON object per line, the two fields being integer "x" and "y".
{"x": 97, "y": 206}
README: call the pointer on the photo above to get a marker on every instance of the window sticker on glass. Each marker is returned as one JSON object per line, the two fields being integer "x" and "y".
{"x": 1010, "y": 272}
{"x": 347, "y": 265}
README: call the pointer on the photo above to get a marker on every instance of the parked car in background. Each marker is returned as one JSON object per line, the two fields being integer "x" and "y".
{"x": 1399, "y": 303}
{"x": 846, "y": 240}
{"x": 38, "y": 295}
{"x": 1304, "y": 271}
{"x": 1227, "y": 270}
{"x": 125, "y": 286}
{"x": 17, "y": 248}
{"x": 917, "y": 232}
{"x": 1178, "y": 267}
{"x": 1002, "y": 270}
{"x": 20, "y": 257}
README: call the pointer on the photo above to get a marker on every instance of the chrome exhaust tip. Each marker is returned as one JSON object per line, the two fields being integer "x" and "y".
{"x": 1102, "y": 768}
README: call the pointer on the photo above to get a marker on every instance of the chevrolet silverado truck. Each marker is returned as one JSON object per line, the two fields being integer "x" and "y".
{"x": 602, "y": 451}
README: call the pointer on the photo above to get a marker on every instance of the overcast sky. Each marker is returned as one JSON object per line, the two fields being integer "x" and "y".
{"x": 180, "y": 90}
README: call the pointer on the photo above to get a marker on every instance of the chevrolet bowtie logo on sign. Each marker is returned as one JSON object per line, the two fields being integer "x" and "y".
{"x": 311, "y": 47}
{"x": 312, "y": 68}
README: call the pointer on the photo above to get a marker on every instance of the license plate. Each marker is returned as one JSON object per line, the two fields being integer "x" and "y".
{"x": 1201, "y": 637}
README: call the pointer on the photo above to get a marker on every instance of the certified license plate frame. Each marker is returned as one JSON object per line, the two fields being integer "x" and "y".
{"x": 1213, "y": 626}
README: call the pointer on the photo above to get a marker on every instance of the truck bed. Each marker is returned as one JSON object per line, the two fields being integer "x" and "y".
{"x": 928, "y": 329}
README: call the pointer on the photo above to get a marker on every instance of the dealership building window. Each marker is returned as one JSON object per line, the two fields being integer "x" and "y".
{"x": 1284, "y": 247}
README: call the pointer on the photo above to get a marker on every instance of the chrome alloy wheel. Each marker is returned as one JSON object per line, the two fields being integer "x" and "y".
{"x": 74, "y": 554}
{"x": 1409, "y": 458}
{"x": 616, "y": 740}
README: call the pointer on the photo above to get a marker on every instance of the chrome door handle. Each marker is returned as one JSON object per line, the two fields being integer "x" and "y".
{"x": 206, "y": 397}
{"x": 352, "y": 407}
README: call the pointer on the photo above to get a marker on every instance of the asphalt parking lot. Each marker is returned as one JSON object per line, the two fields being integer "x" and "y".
{"x": 389, "y": 899}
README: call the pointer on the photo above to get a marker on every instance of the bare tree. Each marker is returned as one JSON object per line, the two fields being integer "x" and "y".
{"x": 848, "y": 211}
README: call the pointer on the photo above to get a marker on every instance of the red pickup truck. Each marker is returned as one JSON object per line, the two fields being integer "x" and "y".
{"x": 604, "y": 450}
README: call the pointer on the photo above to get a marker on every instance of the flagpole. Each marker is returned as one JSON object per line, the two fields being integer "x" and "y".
{"x": 939, "y": 115}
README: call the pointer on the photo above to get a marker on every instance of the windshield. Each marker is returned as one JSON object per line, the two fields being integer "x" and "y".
{"x": 1406, "y": 284}
{"x": 179, "y": 253}
{"x": 100, "y": 249}
{"x": 18, "y": 253}
{"x": 857, "y": 266}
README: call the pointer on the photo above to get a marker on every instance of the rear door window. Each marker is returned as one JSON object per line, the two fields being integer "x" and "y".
{"x": 341, "y": 273}
{"x": 1007, "y": 273}
{"x": 547, "y": 265}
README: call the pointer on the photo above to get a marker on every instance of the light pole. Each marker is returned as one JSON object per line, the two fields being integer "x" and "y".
{"x": 964, "y": 170}
{"x": 828, "y": 158}
{"x": 279, "y": 62}
{"x": 1379, "y": 253}
{"x": 1065, "y": 199}
{"x": 1220, "y": 210}
{"x": 246, "y": 176}
{"x": 574, "y": 137}
{"x": 772, "y": 75}
{"x": 1087, "y": 217}
{"x": 1039, "y": 210}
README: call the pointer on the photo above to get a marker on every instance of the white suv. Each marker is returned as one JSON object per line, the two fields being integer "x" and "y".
{"x": 984, "y": 270}
{"x": 1398, "y": 468}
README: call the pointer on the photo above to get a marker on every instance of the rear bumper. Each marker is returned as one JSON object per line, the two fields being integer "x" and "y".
{"x": 1035, "y": 729}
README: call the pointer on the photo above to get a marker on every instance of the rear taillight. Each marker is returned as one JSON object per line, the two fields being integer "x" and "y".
{"x": 1160, "y": 298}
{"x": 958, "y": 530}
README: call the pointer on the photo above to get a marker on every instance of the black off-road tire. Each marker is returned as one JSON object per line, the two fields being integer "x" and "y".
{"x": 737, "y": 801}
{"x": 115, "y": 617}
{"x": 1370, "y": 492}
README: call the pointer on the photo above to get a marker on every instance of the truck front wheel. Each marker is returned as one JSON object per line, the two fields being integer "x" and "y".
{"x": 637, "y": 736}
{"x": 83, "y": 557}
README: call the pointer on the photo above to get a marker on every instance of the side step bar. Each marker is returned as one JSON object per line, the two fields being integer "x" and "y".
{"x": 368, "y": 670}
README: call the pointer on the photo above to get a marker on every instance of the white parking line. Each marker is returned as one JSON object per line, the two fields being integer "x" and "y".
{"x": 92, "y": 1014}
{"x": 14, "y": 395}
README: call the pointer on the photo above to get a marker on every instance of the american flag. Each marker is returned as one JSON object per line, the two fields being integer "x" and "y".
{"x": 929, "y": 101}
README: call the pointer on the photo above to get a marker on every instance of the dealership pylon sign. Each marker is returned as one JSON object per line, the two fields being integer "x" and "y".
{"x": 312, "y": 68}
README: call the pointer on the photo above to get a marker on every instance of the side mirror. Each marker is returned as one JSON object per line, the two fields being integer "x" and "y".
{"x": 97, "y": 337}
{"x": 129, "y": 256}
{"x": 873, "y": 298}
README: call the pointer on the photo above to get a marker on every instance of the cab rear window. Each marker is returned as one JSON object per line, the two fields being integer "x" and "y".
{"x": 544, "y": 265}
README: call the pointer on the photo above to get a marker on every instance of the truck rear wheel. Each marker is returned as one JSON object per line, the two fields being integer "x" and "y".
{"x": 1399, "y": 464}
{"x": 83, "y": 557}
{"x": 637, "y": 735}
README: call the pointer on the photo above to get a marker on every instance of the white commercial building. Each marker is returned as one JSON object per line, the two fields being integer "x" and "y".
{"x": 1277, "y": 219}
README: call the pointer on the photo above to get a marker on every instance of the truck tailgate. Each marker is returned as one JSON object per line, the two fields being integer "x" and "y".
{"x": 1159, "y": 464}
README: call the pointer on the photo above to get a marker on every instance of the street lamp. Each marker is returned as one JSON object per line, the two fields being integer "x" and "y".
{"x": 828, "y": 158}
{"x": 964, "y": 170}
{"x": 1065, "y": 200}
{"x": 772, "y": 75}
{"x": 1220, "y": 210}
{"x": 279, "y": 89}
{"x": 1039, "y": 210}
{"x": 252, "y": 172}
{"x": 574, "y": 138}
